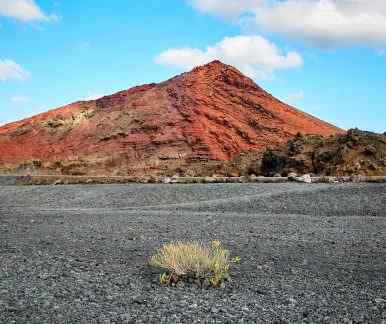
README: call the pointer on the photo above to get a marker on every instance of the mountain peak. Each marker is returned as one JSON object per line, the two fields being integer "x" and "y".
{"x": 217, "y": 72}
{"x": 216, "y": 66}
{"x": 216, "y": 62}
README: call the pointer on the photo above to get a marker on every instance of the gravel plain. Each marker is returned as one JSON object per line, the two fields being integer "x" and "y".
{"x": 78, "y": 254}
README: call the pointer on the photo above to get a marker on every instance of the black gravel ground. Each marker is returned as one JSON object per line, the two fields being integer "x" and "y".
{"x": 309, "y": 253}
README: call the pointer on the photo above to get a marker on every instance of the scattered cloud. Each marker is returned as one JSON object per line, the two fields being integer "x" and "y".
{"x": 11, "y": 70}
{"x": 20, "y": 99}
{"x": 24, "y": 11}
{"x": 293, "y": 98}
{"x": 253, "y": 55}
{"x": 226, "y": 8}
{"x": 325, "y": 23}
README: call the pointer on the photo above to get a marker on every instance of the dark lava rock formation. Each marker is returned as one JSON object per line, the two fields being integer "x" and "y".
{"x": 209, "y": 114}
{"x": 355, "y": 153}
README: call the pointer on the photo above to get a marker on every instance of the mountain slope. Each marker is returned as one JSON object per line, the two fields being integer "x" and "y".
{"x": 210, "y": 113}
{"x": 354, "y": 153}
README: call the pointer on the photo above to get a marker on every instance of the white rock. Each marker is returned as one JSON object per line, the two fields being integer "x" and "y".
{"x": 167, "y": 180}
{"x": 304, "y": 178}
{"x": 292, "y": 175}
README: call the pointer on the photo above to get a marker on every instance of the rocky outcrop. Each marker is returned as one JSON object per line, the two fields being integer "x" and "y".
{"x": 209, "y": 114}
{"x": 355, "y": 153}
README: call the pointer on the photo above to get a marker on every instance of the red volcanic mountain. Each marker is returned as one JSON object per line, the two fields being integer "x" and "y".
{"x": 210, "y": 113}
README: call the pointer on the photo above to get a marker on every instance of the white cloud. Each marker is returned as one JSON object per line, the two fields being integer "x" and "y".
{"x": 20, "y": 99}
{"x": 253, "y": 55}
{"x": 24, "y": 11}
{"x": 322, "y": 22}
{"x": 229, "y": 8}
{"x": 292, "y": 98}
{"x": 11, "y": 70}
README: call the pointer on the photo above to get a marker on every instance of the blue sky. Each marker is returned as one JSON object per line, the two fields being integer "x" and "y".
{"x": 57, "y": 52}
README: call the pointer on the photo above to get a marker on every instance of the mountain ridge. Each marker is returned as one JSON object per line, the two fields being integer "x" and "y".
{"x": 210, "y": 113}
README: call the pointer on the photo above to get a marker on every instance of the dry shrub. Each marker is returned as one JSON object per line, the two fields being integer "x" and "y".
{"x": 194, "y": 260}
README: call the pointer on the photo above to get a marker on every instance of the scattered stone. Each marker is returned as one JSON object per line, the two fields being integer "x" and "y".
{"x": 304, "y": 178}
{"x": 292, "y": 176}
{"x": 328, "y": 180}
{"x": 180, "y": 284}
{"x": 139, "y": 300}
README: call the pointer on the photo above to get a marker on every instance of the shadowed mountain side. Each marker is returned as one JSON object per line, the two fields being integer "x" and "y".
{"x": 355, "y": 153}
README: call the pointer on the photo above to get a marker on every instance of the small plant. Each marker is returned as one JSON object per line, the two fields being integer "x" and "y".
{"x": 165, "y": 279}
{"x": 236, "y": 259}
{"x": 193, "y": 262}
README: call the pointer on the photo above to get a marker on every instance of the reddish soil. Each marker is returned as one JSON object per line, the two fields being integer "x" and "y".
{"x": 210, "y": 113}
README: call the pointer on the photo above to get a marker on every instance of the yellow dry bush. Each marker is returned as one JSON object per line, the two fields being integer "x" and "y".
{"x": 194, "y": 259}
